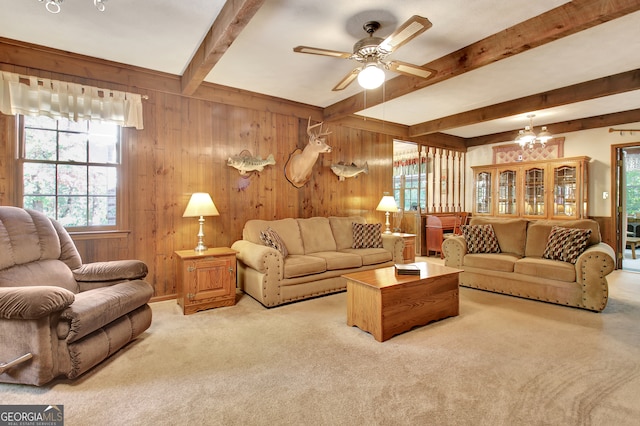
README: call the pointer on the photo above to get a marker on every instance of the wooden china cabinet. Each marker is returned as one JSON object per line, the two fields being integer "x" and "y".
{"x": 549, "y": 189}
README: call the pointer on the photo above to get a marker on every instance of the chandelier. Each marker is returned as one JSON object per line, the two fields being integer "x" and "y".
{"x": 527, "y": 138}
{"x": 53, "y": 6}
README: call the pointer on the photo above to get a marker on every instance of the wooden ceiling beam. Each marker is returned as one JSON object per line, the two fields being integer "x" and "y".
{"x": 570, "y": 18}
{"x": 231, "y": 20}
{"x": 613, "y": 119}
{"x": 606, "y": 86}
{"x": 401, "y": 132}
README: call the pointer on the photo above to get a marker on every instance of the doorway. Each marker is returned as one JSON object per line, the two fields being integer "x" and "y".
{"x": 626, "y": 171}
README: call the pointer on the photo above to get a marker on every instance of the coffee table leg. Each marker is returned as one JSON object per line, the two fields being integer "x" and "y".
{"x": 363, "y": 309}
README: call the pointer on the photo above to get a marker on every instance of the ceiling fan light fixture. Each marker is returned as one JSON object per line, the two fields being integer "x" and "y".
{"x": 371, "y": 77}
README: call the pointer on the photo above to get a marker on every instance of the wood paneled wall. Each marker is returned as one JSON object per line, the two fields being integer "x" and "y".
{"x": 184, "y": 149}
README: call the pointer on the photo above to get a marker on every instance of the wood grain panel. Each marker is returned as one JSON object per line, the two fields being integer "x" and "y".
{"x": 184, "y": 148}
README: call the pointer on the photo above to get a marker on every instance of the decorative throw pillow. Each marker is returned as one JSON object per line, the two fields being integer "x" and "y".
{"x": 367, "y": 235}
{"x": 480, "y": 239}
{"x": 271, "y": 238}
{"x": 566, "y": 244}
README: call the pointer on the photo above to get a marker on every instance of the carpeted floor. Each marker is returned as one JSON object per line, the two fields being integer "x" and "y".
{"x": 502, "y": 361}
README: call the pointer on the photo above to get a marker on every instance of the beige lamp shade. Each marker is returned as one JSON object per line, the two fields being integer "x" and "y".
{"x": 387, "y": 204}
{"x": 200, "y": 204}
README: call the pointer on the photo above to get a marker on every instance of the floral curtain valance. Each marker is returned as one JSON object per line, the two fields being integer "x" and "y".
{"x": 57, "y": 99}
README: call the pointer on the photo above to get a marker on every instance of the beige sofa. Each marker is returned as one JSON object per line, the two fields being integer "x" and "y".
{"x": 319, "y": 252}
{"x": 58, "y": 316}
{"x": 521, "y": 270}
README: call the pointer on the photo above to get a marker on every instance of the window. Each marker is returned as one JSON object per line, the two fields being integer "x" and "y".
{"x": 409, "y": 176}
{"x": 409, "y": 189}
{"x": 70, "y": 170}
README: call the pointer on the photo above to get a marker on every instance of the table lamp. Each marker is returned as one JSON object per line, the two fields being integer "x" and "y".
{"x": 200, "y": 205}
{"x": 387, "y": 204}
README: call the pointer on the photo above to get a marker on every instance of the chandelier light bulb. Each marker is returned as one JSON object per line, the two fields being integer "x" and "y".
{"x": 371, "y": 77}
{"x": 527, "y": 138}
{"x": 53, "y": 6}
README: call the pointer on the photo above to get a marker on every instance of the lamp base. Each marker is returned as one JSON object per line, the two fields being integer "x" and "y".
{"x": 387, "y": 224}
{"x": 200, "y": 247}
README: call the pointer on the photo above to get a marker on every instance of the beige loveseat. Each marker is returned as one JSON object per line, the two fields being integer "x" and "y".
{"x": 320, "y": 250}
{"x": 58, "y": 316}
{"x": 520, "y": 269}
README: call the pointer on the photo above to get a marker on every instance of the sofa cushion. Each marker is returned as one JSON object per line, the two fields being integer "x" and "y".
{"x": 26, "y": 236}
{"x": 96, "y": 308}
{"x": 339, "y": 260}
{"x": 270, "y": 238}
{"x": 316, "y": 235}
{"x": 367, "y": 235}
{"x": 511, "y": 233}
{"x": 287, "y": 229}
{"x": 566, "y": 244}
{"x": 480, "y": 239}
{"x": 342, "y": 228}
{"x": 538, "y": 233}
{"x": 371, "y": 256}
{"x": 494, "y": 261}
{"x": 538, "y": 267}
{"x": 301, "y": 265}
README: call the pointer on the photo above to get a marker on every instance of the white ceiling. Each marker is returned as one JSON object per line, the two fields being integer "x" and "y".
{"x": 163, "y": 35}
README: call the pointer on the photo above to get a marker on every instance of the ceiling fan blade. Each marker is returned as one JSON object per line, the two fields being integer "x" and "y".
{"x": 414, "y": 26}
{"x": 347, "y": 80}
{"x": 411, "y": 70}
{"x": 324, "y": 52}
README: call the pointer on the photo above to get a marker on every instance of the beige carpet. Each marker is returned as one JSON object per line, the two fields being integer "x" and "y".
{"x": 503, "y": 361}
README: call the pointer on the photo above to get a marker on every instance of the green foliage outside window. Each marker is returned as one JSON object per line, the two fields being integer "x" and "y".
{"x": 70, "y": 170}
{"x": 633, "y": 192}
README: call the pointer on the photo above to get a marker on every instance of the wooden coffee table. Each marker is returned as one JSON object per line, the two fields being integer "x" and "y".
{"x": 385, "y": 304}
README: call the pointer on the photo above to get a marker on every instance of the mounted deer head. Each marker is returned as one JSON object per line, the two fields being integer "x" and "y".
{"x": 298, "y": 168}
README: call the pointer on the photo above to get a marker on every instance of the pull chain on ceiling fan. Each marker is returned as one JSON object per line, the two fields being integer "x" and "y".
{"x": 371, "y": 51}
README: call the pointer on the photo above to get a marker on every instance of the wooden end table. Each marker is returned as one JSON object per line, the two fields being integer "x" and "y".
{"x": 409, "y": 252}
{"x": 206, "y": 279}
{"x": 385, "y": 304}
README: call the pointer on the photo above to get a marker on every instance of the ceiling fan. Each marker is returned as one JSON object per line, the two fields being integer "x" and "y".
{"x": 371, "y": 51}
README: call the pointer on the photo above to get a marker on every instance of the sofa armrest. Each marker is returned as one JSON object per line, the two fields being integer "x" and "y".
{"x": 454, "y": 248}
{"x": 259, "y": 257}
{"x": 592, "y": 267}
{"x": 114, "y": 270}
{"x": 33, "y": 302}
{"x": 394, "y": 244}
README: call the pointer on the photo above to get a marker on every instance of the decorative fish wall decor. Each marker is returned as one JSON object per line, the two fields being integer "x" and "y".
{"x": 344, "y": 171}
{"x": 245, "y": 163}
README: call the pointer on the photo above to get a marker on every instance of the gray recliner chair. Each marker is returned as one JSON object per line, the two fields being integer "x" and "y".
{"x": 58, "y": 316}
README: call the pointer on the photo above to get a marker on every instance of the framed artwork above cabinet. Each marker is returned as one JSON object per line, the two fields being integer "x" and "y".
{"x": 548, "y": 189}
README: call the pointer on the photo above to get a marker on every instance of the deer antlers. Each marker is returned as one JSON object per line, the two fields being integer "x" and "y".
{"x": 318, "y": 135}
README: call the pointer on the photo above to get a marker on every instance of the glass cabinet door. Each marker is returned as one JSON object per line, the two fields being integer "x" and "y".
{"x": 483, "y": 193}
{"x": 564, "y": 191}
{"x": 534, "y": 203}
{"x": 507, "y": 184}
